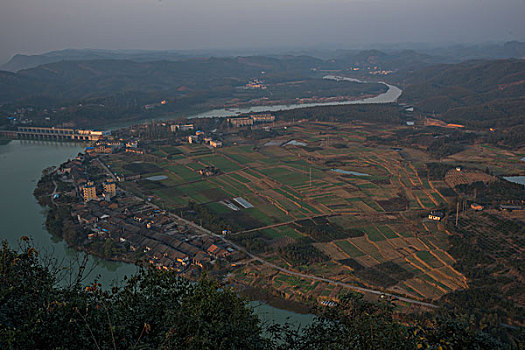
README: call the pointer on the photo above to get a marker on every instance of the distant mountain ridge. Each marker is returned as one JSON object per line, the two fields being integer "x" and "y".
{"x": 387, "y": 57}
{"x": 20, "y": 62}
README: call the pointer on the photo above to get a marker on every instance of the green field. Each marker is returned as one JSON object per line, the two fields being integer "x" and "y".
{"x": 293, "y": 186}
{"x": 374, "y": 234}
{"x": 349, "y": 249}
{"x": 429, "y": 258}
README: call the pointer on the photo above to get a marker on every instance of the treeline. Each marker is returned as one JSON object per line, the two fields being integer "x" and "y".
{"x": 443, "y": 148}
{"x": 323, "y": 88}
{"x": 327, "y": 231}
{"x": 60, "y": 223}
{"x": 383, "y": 113}
{"x": 437, "y": 171}
{"x": 158, "y": 310}
{"x": 480, "y": 94}
{"x": 437, "y": 141}
{"x": 253, "y": 241}
{"x": 512, "y": 136}
{"x": 385, "y": 274}
{"x": 450, "y": 143}
{"x": 302, "y": 252}
{"x": 209, "y": 219}
{"x": 493, "y": 192}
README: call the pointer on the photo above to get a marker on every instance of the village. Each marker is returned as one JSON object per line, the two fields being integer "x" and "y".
{"x": 265, "y": 202}
{"x": 132, "y": 228}
{"x": 137, "y": 229}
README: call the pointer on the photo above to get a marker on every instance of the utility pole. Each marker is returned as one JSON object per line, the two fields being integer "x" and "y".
{"x": 457, "y": 213}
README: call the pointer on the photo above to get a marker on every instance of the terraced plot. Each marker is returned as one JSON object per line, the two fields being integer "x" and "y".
{"x": 362, "y": 229}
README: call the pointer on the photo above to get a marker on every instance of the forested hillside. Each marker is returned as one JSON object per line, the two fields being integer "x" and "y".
{"x": 98, "y": 92}
{"x": 477, "y": 93}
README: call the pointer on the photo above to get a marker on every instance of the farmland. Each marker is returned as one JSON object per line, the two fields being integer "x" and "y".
{"x": 333, "y": 205}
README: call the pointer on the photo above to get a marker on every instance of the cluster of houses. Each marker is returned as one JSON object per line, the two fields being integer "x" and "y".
{"x": 150, "y": 233}
{"x": 438, "y": 215}
{"x": 255, "y": 84}
{"x": 250, "y": 120}
{"x": 200, "y": 137}
{"x": 181, "y": 127}
{"x": 104, "y": 146}
{"x": 139, "y": 228}
{"x": 209, "y": 171}
{"x": 155, "y": 105}
{"x": 74, "y": 172}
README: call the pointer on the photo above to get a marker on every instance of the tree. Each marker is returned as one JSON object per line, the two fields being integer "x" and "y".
{"x": 154, "y": 309}
{"x": 158, "y": 310}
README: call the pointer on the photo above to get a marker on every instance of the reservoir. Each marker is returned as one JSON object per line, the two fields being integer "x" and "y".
{"x": 21, "y": 165}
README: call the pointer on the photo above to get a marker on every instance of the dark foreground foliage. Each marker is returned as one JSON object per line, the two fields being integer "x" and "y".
{"x": 158, "y": 310}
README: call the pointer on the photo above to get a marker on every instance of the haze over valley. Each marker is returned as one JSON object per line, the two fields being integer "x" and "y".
{"x": 262, "y": 175}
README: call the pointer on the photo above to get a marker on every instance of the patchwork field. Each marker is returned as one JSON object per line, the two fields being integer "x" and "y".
{"x": 335, "y": 207}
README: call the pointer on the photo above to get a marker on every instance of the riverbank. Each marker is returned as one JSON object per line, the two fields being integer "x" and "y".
{"x": 390, "y": 96}
{"x": 257, "y": 294}
{"x": 21, "y": 164}
{"x": 60, "y": 225}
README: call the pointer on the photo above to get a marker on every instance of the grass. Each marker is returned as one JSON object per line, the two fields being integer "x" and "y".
{"x": 374, "y": 234}
{"x": 271, "y": 233}
{"x": 184, "y": 173}
{"x": 429, "y": 258}
{"x": 276, "y": 181}
{"x": 220, "y": 162}
{"x": 349, "y": 249}
{"x": 372, "y": 204}
{"x": 142, "y": 168}
{"x": 290, "y": 232}
{"x": 240, "y": 178}
{"x": 259, "y": 216}
{"x": 387, "y": 231}
{"x": 218, "y": 208}
{"x": 294, "y": 282}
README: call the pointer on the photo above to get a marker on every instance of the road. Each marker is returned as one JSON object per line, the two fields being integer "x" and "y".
{"x": 303, "y": 275}
{"x": 282, "y": 269}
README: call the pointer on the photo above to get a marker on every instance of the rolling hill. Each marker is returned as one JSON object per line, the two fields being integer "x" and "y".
{"x": 479, "y": 93}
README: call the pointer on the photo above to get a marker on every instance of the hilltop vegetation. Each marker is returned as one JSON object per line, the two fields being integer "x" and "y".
{"x": 157, "y": 310}
{"x": 476, "y": 93}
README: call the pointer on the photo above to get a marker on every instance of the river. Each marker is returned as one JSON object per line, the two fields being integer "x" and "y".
{"x": 21, "y": 165}
{"x": 390, "y": 96}
{"x": 22, "y": 162}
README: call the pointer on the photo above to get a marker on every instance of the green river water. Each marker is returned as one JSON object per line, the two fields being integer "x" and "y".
{"x": 21, "y": 164}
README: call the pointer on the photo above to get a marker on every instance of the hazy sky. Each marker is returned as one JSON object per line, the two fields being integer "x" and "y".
{"x": 34, "y": 26}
